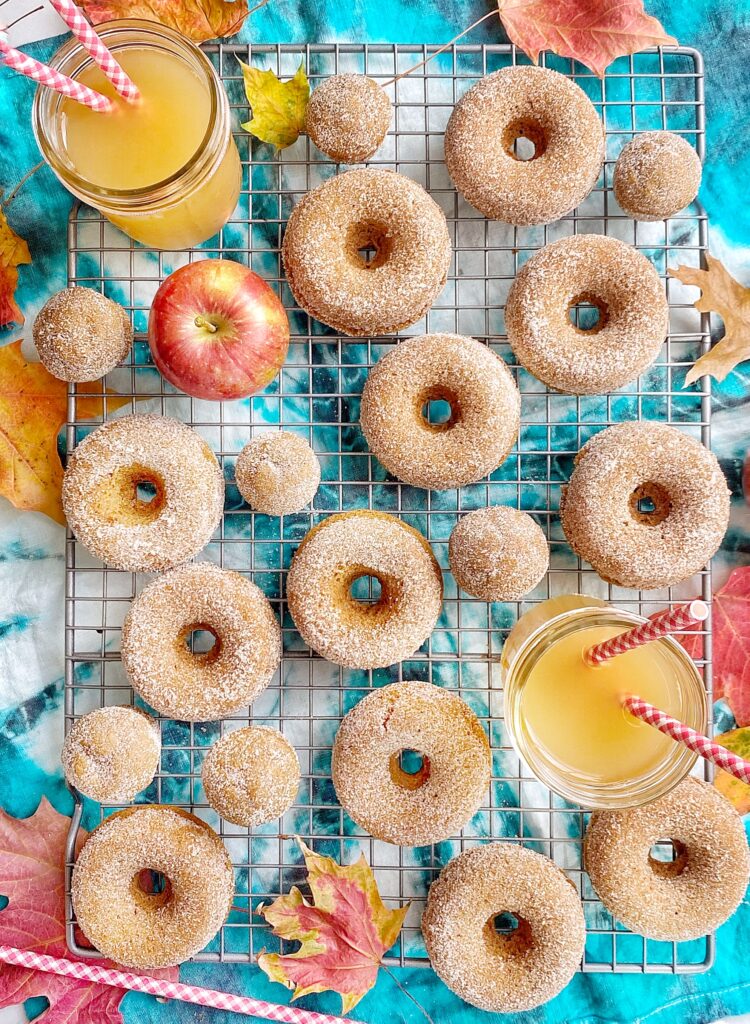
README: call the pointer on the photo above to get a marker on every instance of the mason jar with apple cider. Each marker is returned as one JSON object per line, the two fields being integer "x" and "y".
{"x": 165, "y": 168}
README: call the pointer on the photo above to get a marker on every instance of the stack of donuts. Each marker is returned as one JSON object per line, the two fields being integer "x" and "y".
{"x": 251, "y": 775}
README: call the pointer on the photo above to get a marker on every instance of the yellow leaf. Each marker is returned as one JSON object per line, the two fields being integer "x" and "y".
{"x": 278, "y": 108}
{"x": 738, "y": 741}
{"x": 13, "y": 252}
{"x": 720, "y": 294}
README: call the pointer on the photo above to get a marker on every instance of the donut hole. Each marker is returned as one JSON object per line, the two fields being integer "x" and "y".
{"x": 650, "y": 504}
{"x": 439, "y": 408}
{"x": 365, "y": 598}
{"x": 368, "y": 244}
{"x": 668, "y": 858}
{"x": 508, "y": 933}
{"x": 587, "y": 313}
{"x": 409, "y": 768}
{"x": 132, "y": 495}
{"x": 151, "y": 888}
{"x": 366, "y": 589}
{"x": 201, "y": 642}
{"x": 524, "y": 139}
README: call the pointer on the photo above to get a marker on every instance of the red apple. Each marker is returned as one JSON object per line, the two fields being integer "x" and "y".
{"x": 217, "y": 330}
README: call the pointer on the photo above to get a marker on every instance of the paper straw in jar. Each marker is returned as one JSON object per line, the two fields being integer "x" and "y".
{"x": 92, "y": 43}
{"x": 45, "y": 75}
{"x": 670, "y": 621}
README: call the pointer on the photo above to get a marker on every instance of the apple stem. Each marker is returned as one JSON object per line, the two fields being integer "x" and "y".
{"x": 201, "y": 321}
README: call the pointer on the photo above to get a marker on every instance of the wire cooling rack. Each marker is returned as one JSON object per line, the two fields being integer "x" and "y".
{"x": 317, "y": 395}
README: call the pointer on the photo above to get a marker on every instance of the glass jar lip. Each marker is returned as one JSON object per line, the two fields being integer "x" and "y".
{"x": 160, "y": 190}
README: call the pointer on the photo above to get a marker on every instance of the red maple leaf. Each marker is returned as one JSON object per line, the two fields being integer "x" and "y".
{"x": 32, "y": 877}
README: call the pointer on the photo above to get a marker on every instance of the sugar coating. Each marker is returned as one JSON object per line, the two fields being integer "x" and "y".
{"x": 540, "y": 105}
{"x": 348, "y": 632}
{"x": 207, "y": 686}
{"x": 101, "y": 503}
{"x": 657, "y": 174}
{"x": 278, "y": 473}
{"x": 251, "y": 776}
{"x": 485, "y": 411}
{"x": 677, "y": 901}
{"x": 387, "y": 802}
{"x": 599, "y": 513}
{"x": 498, "y": 553}
{"x": 348, "y": 117}
{"x": 492, "y": 971}
{"x": 112, "y": 753}
{"x": 367, "y": 207}
{"x": 634, "y": 314}
{"x": 81, "y": 335}
{"x": 139, "y": 929}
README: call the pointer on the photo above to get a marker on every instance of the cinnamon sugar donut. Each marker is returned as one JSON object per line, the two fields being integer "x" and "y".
{"x": 105, "y": 511}
{"x": 278, "y": 473}
{"x": 609, "y": 274}
{"x": 657, "y": 174}
{"x": 112, "y": 753}
{"x": 81, "y": 335}
{"x": 430, "y": 804}
{"x": 348, "y": 117}
{"x": 678, "y": 900}
{"x": 616, "y": 472}
{"x": 200, "y": 687}
{"x": 367, "y": 208}
{"x": 344, "y": 548}
{"x": 551, "y": 112}
{"x": 504, "y": 973}
{"x": 498, "y": 553}
{"x": 485, "y": 411}
{"x": 121, "y": 916}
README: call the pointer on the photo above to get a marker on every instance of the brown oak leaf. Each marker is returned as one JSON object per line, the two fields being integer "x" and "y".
{"x": 199, "y": 20}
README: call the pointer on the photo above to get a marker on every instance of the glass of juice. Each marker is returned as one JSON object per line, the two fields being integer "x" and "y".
{"x": 566, "y": 718}
{"x": 164, "y": 169}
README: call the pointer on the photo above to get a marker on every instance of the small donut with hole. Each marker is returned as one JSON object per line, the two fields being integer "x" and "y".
{"x": 577, "y": 358}
{"x": 646, "y": 505}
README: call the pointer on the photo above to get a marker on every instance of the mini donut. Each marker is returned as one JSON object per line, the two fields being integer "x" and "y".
{"x": 344, "y": 548}
{"x": 431, "y": 804}
{"x": 602, "y": 515}
{"x": 104, "y": 510}
{"x": 277, "y": 473}
{"x": 677, "y": 900}
{"x": 551, "y": 112}
{"x": 498, "y": 553}
{"x": 499, "y": 972}
{"x": 609, "y": 274}
{"x": 112, "y": 753}
{"x": 348, "y": 117}
{"x": 200, "y": 687}
{"x": 117, "y": 912}
{"x": 81, "y": 335}
{"x": 657, "y": 174}
{"x": 485, "y": 411}
{"x": 375, "y": 209}
{"x": 251, "y": 776}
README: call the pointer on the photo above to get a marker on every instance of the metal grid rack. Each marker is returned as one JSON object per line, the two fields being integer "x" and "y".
{"x": 317, "y": 394}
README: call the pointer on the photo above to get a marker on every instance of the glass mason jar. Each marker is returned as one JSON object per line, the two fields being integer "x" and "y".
{"x": 190, "y": 205}
{"x": 534, "y": 635}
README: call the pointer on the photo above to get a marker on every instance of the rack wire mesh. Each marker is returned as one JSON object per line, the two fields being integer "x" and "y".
{"x": 317, "y": 395}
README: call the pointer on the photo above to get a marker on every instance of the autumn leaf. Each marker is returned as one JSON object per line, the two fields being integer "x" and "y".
{"x": 738, "y": 792}
{"x": 277, "y": 108}
{"x": 199, "y": 20}
{"x": 13, "y": 252}
{"x": 594, "y": 32}
{"x": 344, "y": 933}
{"x": 32, "y": 877}
{"x": 721, "y": 294}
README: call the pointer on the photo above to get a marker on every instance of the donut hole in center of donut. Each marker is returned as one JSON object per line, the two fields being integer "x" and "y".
{"x": 409, "y": 768}
{"x": 132, "y": 496}
{"x": 508, "y": 933}
{"x": 201, "y": 642}
{"x": 524, "y": 139}
{"x": 650, "y": 504}
{"x": 439, "y": 408}
{"x": 368, "y": 244}
{"x": 366, "y": 597}
{"x": 668, "y": 858}
{"x": 151, "y": 888}
{"x": 588, "y": 313}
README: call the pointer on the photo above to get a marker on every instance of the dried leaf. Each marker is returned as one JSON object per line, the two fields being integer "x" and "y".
{"x": 738, "y": 741}
{"x": 278, "y": 108}
{"x": 594, "y": 32}
{"x": 13, "y": 252}
{"x": 721, "y": 294}
{"x": 344, "y": 933}
{"x": 199, "y": 20}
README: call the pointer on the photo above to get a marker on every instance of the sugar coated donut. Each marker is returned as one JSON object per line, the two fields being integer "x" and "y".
{"x": 200, "y": 687}
{"x": 609, "y": 274}
{"x": 251, "y": 776}
{"x": 436, "y": 801}
{"x": 80, "y": 334}
{"x": 484, "y": 419}
{"x": 676, "y": 900}
{"x": 117, "y": 910}
{"x": 112, "y": 753}
{"x": 348, "y": 117}
{"x": 498, "y": 553}
{"x": 105, "y": 511}
{"x": 551, "y": 112}
{"x": 621, "y": 471}
{"x": 344, "y": 548}
{"x": 367, "y": 209}
{"x": 278, "y": 473}
{"x": 657, "y": 174}
{"x": 497, "y": 971}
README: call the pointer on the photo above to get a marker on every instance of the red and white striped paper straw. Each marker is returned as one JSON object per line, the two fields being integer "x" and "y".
{"x": 165, "y": 989}
{"x": 696, "y": 741}
{"x": 670, "y": 621}
{"x": 91, "y": 42}
{"x": 31, "y": 68}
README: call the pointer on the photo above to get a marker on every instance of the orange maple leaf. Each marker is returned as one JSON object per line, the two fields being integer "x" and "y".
{"x": 199, "y": 20}
{"x": 13, "y": 252}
